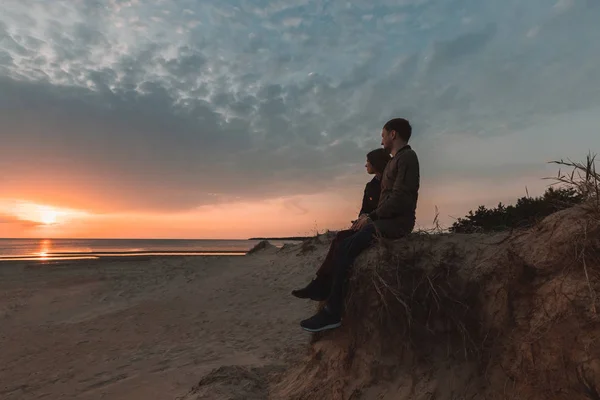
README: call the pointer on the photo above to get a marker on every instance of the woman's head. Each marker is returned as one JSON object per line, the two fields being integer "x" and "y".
{"x": 377, "y": 160}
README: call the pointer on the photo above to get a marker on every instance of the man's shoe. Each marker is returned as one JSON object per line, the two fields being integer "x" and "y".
{"x": 318, "y": 290}
{"x": 321, "y": 321}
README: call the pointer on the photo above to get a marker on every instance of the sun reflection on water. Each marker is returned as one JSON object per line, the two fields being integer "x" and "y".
{"x": 45, "y": 246}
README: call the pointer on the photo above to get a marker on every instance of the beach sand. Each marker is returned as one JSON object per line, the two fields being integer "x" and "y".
{"x": 227, "y": 328}
{"x": 147, "y": 328}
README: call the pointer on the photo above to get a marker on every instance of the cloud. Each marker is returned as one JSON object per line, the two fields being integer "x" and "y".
{"x": 394, "y": 18}
{"x": 107, "y": 107}
{"x": 6, "y": 219}
{"x": 295, "y": 207}
{"x": 292, "y": 22}
{"x": 447, "y": 52}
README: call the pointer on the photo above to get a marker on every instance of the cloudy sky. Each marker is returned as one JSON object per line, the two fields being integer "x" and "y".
{"x": 227, "y": 119}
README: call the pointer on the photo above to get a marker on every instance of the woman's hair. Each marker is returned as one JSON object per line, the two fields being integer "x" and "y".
{"x": 379, "y": 159}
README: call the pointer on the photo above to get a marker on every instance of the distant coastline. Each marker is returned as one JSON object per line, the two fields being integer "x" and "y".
{"x": 282, "y": 238}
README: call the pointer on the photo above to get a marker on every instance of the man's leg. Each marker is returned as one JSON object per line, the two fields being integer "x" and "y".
{"x": 330, "y": 316}
{"x": 318, "y": 289}
{"x": 344, "y": 259}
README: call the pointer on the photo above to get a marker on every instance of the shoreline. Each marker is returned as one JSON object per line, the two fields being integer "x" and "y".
{"x": 62, "y": 250}
{"x": 109, "y": 258}
{"x": 118, "y": 255}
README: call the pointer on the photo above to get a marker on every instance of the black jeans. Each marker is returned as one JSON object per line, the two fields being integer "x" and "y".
{"x": 346, "y": 253}
{"x": 328, "y": 267}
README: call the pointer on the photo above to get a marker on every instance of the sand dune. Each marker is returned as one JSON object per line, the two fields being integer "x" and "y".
{"x": 457, "y": 317}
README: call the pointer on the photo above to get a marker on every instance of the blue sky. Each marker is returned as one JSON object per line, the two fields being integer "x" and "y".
{"x": 168, "y": 106}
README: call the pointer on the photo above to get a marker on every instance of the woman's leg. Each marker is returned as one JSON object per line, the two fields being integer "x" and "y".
{"x": 318, "y": 289}
{"x": 326, "y": 269}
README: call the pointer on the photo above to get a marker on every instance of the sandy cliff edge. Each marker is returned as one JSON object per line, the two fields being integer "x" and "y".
{"x": 449, "y": 316}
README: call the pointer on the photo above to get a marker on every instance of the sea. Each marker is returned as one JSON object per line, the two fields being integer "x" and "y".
{"x": 80, "y": 249}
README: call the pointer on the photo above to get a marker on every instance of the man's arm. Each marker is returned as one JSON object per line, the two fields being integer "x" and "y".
{"x": 403, "y": 191}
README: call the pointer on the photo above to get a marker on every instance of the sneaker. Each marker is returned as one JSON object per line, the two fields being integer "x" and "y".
{"x": 318, "y": 290}
{"x": 321, "y": 321}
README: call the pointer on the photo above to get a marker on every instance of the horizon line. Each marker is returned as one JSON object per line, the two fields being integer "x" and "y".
{"x": 117, "y": 238}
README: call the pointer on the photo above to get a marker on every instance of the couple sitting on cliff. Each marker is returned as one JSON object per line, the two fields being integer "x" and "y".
{"x": 388, "y": 210}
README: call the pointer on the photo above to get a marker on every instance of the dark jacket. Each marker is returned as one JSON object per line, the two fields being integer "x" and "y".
{"x": 395, "y": 214}
{"x": 371, "y": 196}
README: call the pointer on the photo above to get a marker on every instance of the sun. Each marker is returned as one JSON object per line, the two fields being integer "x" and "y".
{"x": 43, "y": 214}
{"x": 48, "y": 216}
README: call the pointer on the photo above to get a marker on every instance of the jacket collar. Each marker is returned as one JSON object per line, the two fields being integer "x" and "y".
{"x": 405, "y": 147}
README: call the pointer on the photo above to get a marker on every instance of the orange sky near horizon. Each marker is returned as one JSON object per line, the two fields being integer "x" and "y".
{"x": 284, "y": 216}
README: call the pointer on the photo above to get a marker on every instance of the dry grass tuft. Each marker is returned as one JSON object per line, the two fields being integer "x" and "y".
{"x": 433, "y": 304}
{"x": 583, "y": 177}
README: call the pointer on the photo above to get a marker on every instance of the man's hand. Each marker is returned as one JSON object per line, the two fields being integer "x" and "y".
{"x": 360, "y": 223}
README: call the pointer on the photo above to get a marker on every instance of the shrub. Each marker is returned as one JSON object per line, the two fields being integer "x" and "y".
{"x": 526, "y": 212}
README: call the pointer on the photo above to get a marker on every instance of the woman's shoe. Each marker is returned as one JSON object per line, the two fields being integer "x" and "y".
{"x": 317, "y": 290}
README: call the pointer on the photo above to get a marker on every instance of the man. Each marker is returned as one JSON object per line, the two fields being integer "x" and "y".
{"x": 393, "y": 218}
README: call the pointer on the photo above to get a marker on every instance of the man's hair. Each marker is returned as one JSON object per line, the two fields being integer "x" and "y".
{"x": 401, "y": 126}
{"x": 379, "y": 159}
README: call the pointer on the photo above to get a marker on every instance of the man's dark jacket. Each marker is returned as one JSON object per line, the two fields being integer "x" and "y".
{"x": 371, "y": 196}
{"x": 395, "y": 214}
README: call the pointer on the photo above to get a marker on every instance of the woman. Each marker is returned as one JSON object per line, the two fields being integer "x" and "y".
{"x": 318, "y": 288}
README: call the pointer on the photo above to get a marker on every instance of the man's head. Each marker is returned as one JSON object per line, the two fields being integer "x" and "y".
{"x": 395, "y": 134}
